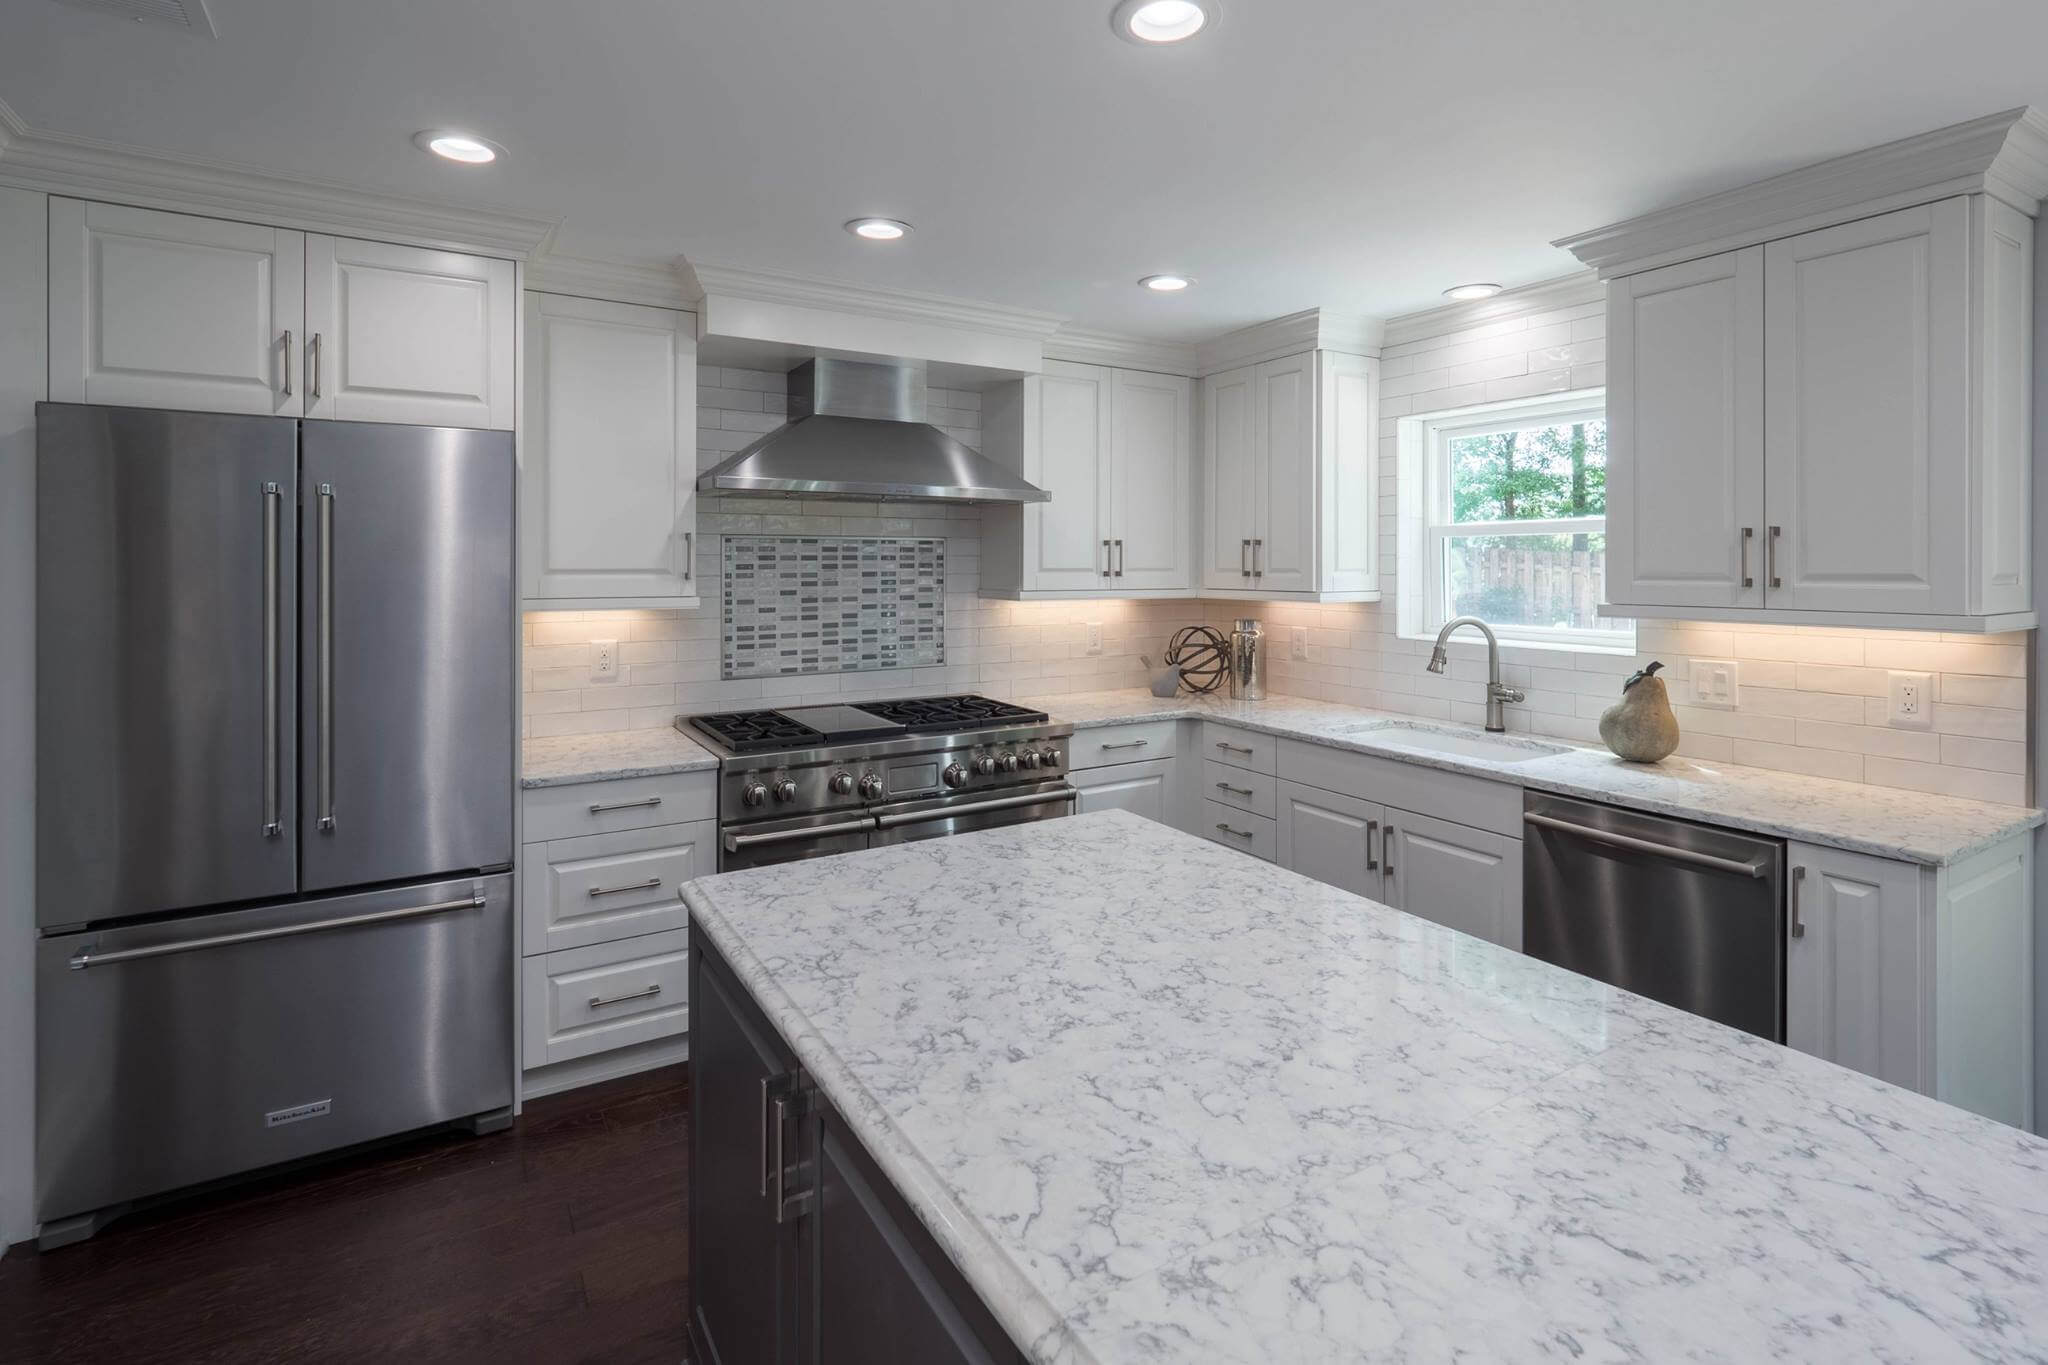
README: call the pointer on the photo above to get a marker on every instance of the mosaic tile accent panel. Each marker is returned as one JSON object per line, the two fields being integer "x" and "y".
{"x": 832, "y": 604}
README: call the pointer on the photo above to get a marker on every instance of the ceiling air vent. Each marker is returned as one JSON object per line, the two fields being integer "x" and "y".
{"x": 189, "y": 15}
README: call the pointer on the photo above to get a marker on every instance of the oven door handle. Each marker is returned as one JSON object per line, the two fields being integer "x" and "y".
{"x": 1756, "y": 868}
{"x": 999, "y": 803}
{"x": 735, "y": 842}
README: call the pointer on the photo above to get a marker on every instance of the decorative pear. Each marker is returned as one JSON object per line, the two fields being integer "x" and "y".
{"x": 1640, "y": 727}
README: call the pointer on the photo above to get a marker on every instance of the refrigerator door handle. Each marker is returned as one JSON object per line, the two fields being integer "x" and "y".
{"x": 324, "y": 667}
{"x": 273, "y": 819}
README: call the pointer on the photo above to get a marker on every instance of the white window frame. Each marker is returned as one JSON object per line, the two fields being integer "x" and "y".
{"x": 1425, "y": 442}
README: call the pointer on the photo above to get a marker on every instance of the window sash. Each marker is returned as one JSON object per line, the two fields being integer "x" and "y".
{"x": 1447, "y": 430}
{"x": 1439, "y": 539}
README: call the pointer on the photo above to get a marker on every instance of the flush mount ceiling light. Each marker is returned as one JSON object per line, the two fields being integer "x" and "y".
{"x": 878, "y": 229}
{"x": 1464, "y": 292}
{"x": 466, "y": 149}
{"x": 1151, "y": 23}
{"x": 1166, "y": 284}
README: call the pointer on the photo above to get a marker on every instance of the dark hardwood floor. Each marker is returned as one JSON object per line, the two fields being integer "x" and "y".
{"x": 563, "y": 1239}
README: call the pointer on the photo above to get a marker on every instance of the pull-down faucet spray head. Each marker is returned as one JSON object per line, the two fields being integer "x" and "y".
{"x": 1438, "y": 660}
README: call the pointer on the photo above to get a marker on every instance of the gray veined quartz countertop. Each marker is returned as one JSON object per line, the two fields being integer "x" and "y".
{"x": 560, "y": 760}
{"x": 1163, "y": 1102}
{"x": 1884, "y": 821}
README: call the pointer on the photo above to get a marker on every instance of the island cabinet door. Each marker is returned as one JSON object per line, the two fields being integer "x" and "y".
{"x": 1332, "y": 838}
{"x": 1468, "y": 879}
{"x": 878, "y": 1289}
{"x": 744, "y": 1241}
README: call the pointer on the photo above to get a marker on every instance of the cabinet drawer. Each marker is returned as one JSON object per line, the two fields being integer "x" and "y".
{"x": 601, "y": 887}
{"x": 1121, "y": 744}
{"x": 1240, "y": 748}
{"x": 1241, "y": 830}
{"x": 625, "y": 803}
{"x": 1239, "y": 788}
{"x": 1479, "y": 802}
{"x": 613, "y": 995}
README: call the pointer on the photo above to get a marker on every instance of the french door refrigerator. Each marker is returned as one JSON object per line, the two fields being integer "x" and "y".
{"x": 274, "y": 776}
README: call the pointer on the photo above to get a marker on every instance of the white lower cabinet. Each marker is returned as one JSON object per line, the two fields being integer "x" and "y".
{"x": 1463, "y": 878}
{"x": 1238, "y": 829}
{"x": 1142, "y": 788}
{"x": 601, "y": 887}
{"x": 611, "y": 995}
{"x": 1332, "y": 838}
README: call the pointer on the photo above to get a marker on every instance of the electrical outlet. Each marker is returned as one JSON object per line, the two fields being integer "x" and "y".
{"x": 604, "y": 663}
{"x": 1297, "y": 642}
{"x": 1095, "y": 637}
{"x": 1716, "y": 684}
{"x": 1912, "y": 701}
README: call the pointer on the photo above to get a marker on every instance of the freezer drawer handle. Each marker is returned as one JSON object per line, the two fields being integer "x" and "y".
{"x": 88, "y": 958}
{"x": 735, "y": 842}
{"x": 924, "y": 817}
{"x": 324, "y": 700}
{"x": 598, "y": 808}
{"x": 597, "y": 1000}
{"x": 1755, "y": 868}
{"x": 273, "y": 818}
{"x": 647, "y": 885}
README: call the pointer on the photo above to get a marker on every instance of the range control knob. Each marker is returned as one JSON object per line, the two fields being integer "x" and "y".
{"x": 954, "y": 776}
{"x": 1051, "y": 758}
{"x": 753, "y": 793}
{"x": 785, "y": 790}
{"x": 870, "y": 786}
{"x": 841, "y": 783}
{"x": 1007, "y": 762}
{"x": 985, "y": 765}
{"x": 1030, "y": 758}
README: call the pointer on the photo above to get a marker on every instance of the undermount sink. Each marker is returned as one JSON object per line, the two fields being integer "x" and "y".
{"x": 1466, "y": 743}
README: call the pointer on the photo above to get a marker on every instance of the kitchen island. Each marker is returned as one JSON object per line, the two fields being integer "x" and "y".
{"x": 1150, "y": 1100}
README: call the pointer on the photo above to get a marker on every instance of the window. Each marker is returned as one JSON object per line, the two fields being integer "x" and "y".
{"x": 1514, "y": 520}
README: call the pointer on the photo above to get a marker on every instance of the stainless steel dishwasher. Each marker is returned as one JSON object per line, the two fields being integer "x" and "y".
{"x": 1692, "y": 915}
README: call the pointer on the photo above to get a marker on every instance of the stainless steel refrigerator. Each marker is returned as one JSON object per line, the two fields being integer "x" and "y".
{"x": 274, "y": 775}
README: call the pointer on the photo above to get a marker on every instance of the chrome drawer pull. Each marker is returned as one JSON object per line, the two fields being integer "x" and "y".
{"x": 624, "y": 805}
{"x": 1234, "y": 833}
{"x": 1235, "y": 791}
{"x": 1234, "y": 748}
{"x": 1128, "y": 744}
{"x": 647, "y": 885}
{"x": 597, "y": 1000}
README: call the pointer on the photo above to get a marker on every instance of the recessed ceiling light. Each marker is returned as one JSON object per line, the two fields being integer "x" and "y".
{"x": 1153, "y": 22}
{"x": 878, "y": 229}
{"x": 1166, "y": 284}
{"x": 465, "y": 148}
{"x": 1463, "y": 292}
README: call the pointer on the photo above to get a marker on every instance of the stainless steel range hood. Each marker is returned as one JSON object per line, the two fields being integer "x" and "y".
{"x": 857, "y": 429}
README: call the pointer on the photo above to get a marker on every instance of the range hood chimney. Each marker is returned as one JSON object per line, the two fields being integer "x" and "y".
{"x": 857, "y": 429}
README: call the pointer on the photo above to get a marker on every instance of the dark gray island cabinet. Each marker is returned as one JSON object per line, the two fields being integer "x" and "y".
{"x": 801, "y": 1252}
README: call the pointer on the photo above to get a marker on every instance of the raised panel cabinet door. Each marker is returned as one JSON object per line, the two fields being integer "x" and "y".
{"x": 1685, "y": 434}
{"x": 1066, "y": 541}
{"x": 166, "y": 310}
{"x": 1348, "y": 447}
{"x": 1866, "y": 416}
{"x": 1283, "y": 545}
{"x": 1332, "y": 838}
{"x": 1464, "y": 878}
{"x": 1141, "y": 788}
{"x": 608, "y": 463}
{"x": 1150, "y": 474}
{"x": 1855, "y": 964}
{"x": 1230, "y": 477}
{"x": 405, "y": 334}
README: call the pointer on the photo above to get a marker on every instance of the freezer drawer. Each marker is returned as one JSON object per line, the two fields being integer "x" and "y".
{"x": 185, "y": 1050}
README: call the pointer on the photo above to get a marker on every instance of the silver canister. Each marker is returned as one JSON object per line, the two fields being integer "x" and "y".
{"x": 1247, "y": 660}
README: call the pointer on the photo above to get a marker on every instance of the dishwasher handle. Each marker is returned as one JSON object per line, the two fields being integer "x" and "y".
{"x": 1758, "y": 867}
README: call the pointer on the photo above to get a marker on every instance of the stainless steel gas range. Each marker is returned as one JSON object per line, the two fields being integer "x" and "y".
{"x": 812, "y": 780}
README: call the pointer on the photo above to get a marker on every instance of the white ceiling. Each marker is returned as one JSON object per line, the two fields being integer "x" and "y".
{"x": 1351, "y": 155}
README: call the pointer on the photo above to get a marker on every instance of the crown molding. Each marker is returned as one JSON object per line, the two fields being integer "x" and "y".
{"x": 1312, "y": 329}
{"x": 59, "y": 163}
{"x": 2004, "y": 155}
{"x": 1575, "y": 290}
{"x": 897, "y": 305}
{"x": 657, "y": 286}
{"x": 1120, "y": 351}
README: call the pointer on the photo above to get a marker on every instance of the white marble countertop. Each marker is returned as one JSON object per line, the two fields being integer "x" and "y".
{"x": 1163, "y": 1102}
{"x": 1885, "y": 821}
{"x": 562, "y": 759}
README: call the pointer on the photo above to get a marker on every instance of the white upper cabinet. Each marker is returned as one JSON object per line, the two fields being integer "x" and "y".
{"x": 167, "y": 310}
{"x": 1290, "y": 471}
{"x": 403, "y": 334}
{"x": 1115, "y": 450}
{"x": 607, "y": 455}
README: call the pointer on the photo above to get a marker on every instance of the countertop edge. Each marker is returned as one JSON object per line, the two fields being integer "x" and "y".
{"x": 614, "y": 774}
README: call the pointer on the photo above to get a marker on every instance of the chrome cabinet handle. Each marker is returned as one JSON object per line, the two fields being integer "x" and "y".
{"x": 1235, "y": 791}
{"x": 1771, "y": 558}
{"x": 1798, "y": 926}
{"x": 1756, "y": 868}
{"x": 1119, "y": 557}
{"x": 1748, "y": 534}
{"x": 1105, "y": 557}
{"x": 1258, "y": 549}
{"x": 766, "y": 1081}
{"x": 1244, "y": 568}
{"x": 788, "y": 1207}
{"x": 273, "y": 817}
{"x": 313, "y": 366}
{"x": 324, "y": 680}
{"x": 88, "y": 958}
{"x": 1127, "y": 744}
{"x": 1234, "y": 833}
{"x": 597, "y": 808}
{"x": 1234, "y": 748}
{"x": 1372, "y": 860}
{"x": 689, "y": 555}
{"x": 597, "y": 1000}
{"x": 287, "y": 392}
{"x": 647, "y": 885}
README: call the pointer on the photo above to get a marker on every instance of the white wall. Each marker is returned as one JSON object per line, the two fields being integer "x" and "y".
{"x": 2040, "y": 660}
{"x": 23, "y": 374}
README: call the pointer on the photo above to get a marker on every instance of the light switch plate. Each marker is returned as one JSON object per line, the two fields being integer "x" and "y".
{"x": 1911, "y": 704}
{"x": 1716, "y": 684}
{"x": 1095, "y": 637}
{"x": 1297, "y": 642}
{"x": 604, "y": 661}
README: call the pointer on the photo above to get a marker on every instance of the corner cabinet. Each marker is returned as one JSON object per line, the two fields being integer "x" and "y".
{"x": 1115, "y": 449}
{"x": 1831, "y": 428}
{"x": 1291, "y": 479}
{"x": 607, "y": 456}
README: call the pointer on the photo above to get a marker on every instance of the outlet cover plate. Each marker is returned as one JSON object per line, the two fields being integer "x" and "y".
{"x": 1910, "y": 701}
{"x": 1095, "y": 637}
{"x": 604, "y": 661}
{"x": 1297, "y": 642}
{"x": 1715, "y": 684}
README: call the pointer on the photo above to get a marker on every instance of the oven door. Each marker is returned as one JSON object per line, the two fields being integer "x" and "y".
{"x": 934, "y": 816}
{"x": 760, "y": 843}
